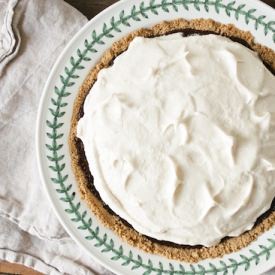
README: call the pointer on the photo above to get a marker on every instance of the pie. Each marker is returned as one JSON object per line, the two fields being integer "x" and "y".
{"x": 172, "y": 139}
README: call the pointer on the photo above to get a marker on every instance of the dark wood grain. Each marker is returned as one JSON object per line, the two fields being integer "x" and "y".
{"x": 270, "y": 3}
{"x": 90, "y": 8}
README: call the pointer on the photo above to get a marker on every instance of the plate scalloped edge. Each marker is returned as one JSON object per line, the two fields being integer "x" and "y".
{"x": 54, "y": 125}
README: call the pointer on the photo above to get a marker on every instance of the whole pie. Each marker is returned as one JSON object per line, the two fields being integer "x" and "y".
{"x": 172, "y": 139}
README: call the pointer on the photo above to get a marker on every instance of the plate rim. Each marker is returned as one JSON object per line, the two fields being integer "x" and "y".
{"x": 39, "y": 130}
{"x": 38, "y": 140}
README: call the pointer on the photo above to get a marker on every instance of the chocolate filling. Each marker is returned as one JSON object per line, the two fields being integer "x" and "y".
{"x": 83, "y": 163}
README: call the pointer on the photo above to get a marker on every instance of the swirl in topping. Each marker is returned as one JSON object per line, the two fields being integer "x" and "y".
{"x": 179, "y": 137}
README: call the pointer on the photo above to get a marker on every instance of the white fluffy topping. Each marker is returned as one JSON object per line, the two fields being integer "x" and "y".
{"x": 179, "y": 136}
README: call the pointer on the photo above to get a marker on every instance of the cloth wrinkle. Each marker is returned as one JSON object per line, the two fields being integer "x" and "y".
{"x": 9, "y": 35}
{"x": 2, "y": 106}
{"x": 33, "y": 228}
{"x": 27, "y": 222}
{"x": 20, "y": 258}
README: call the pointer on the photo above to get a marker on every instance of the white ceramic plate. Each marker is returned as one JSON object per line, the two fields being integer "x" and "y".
{"x": 53, "y": 127}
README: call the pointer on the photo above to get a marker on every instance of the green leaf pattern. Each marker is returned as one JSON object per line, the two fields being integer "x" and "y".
{"x": 139, "y": 12}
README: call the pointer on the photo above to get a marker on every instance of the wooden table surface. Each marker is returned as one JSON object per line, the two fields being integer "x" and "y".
{"x": 89, "y": 8}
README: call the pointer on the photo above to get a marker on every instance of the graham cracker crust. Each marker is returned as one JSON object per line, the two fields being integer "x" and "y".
{"x": 85, "y": 180}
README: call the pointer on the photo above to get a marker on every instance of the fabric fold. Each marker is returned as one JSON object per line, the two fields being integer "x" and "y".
{"x": 9, "y": 35}
{"x": 30, "y": 233}
{"x": 49, "y": 257}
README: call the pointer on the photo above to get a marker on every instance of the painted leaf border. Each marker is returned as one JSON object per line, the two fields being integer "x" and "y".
{"x": 139, "y": 12}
